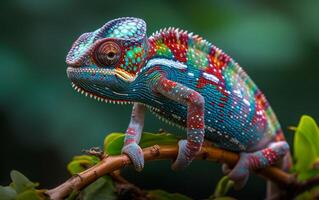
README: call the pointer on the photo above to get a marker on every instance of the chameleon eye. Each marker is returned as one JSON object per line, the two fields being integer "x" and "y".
{"x": 107, "y": 54}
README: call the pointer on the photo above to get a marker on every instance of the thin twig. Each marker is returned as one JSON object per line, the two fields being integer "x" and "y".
{"x": 110, "y": 164}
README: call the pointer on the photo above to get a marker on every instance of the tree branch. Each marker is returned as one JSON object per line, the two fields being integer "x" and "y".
{"x": 112, "y": 163}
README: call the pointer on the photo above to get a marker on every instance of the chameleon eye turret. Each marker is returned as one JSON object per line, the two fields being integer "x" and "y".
{"x": 107, "y": 54}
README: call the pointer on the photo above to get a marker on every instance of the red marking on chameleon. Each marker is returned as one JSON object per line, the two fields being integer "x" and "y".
{"x": 131, "y": 131}
{"x": 193, "y": 145}
{"x": 221, "y": 60}
{"x": 279, "y": 136}
{"x": 261, "y": 99}
{"x": 178, "y": 49}
{"x": 183, "y": 39}
{"x": 167, "y": 84}
{"x": 155, "y": 68}
{"x": 194, "y": 96}
{"x": 179, "y": 52}
{"x": 223, "y": 99}
{"x": 151, "y": 50}
{"x": 195, "y": 118}
{"x": 202, "y": 82}
{"x": 254, "y": 161}
{"x": 129, "y": 141}
{"x": 270, "y": 155}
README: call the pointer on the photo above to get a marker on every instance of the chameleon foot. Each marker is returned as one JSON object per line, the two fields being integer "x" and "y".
{"x": 226, "y": 169}
{"x": 136, "y": 155}
{"x": 182, "y": 160}
{"x": 240, "y": 173}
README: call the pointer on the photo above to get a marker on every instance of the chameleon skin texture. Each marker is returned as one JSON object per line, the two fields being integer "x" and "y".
{"x": 184, "y": 80}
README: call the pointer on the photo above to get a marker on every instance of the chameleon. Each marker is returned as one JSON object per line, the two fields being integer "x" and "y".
{"x": 184, "y": 80}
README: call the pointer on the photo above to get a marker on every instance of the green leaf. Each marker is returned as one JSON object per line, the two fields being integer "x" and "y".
{"x": 101, "y": 189}
{"x": 304, "y": 175}
{"x": 113, "y": 143}
{"x": 309, "y": 194}
{"x": 28, "y": 195}
{"x": 163, "y": 195}
{"x": 21, "y": 183}
{"x": 223, "y": 186}
{"x": 150, "y": 139}
{"x": 306, "y": 144}
{"x": 80, "y": 163}
{"x": 7, "y": 193}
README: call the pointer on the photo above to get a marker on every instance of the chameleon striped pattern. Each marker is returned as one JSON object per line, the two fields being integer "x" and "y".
{"x": 184, "y": 80}
{"x": 243, "y": 115}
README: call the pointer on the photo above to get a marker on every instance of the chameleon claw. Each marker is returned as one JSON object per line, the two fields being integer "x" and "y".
{"x": 182, "y": 160}
{"x": 240, "y": 173}
{"x": 135, "y": 153}
{"x": 226, "y": 169}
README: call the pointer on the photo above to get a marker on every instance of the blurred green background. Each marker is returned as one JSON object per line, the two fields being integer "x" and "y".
{"x": 43, "y": 122}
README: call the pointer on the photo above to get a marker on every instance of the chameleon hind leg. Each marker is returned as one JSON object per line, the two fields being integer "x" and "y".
{"x": 133, "y": 136}
{"x": 256, "y": 160}
{"x": 195, "y": 118}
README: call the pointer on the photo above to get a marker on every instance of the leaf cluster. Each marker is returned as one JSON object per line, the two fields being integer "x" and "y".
{"x": 306, "y": 154}
{"x": 21, "y": 188}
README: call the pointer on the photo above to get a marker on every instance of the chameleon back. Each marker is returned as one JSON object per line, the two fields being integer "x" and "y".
{"x": 237, "y": 115}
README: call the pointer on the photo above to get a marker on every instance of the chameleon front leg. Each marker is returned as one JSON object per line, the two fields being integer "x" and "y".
{"x": 257, "y": 160}
{"x": 195, "y": 118}
{"x": 133, "y": 136}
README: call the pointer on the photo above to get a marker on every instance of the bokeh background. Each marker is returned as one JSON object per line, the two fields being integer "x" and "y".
{"x": 43, "y": 122}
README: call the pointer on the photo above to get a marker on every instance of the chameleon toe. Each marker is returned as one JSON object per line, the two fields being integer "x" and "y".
{"x": 182, "y": 160}
{"x": 240, "y": 173}
{"x": 136, "y": 155}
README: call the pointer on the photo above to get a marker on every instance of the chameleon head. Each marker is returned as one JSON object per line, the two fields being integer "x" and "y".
{"x": 103, "y": 63}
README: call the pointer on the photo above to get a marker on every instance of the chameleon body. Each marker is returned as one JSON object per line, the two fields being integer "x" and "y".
{"x": 184, "y": 80}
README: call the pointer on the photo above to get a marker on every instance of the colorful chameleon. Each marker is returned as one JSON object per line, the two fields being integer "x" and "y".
{"x": 185, "y": 80}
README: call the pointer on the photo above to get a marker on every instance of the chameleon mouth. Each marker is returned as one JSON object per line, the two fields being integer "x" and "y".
{"x": 103, "y": 71}
{"x": 97, "y": 97}
{"x": 125, "y": 76}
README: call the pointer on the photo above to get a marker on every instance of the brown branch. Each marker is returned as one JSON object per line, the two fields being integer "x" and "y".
{"x": 110, "y": 164}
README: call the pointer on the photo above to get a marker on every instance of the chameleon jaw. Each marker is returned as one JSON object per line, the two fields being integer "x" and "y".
{"x": 97, "y": 97}
{"x": 102, "y": 71}
{"x": 125, "y": 76}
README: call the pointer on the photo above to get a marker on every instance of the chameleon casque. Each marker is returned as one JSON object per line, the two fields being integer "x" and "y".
{"x": 187, "y": 81}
